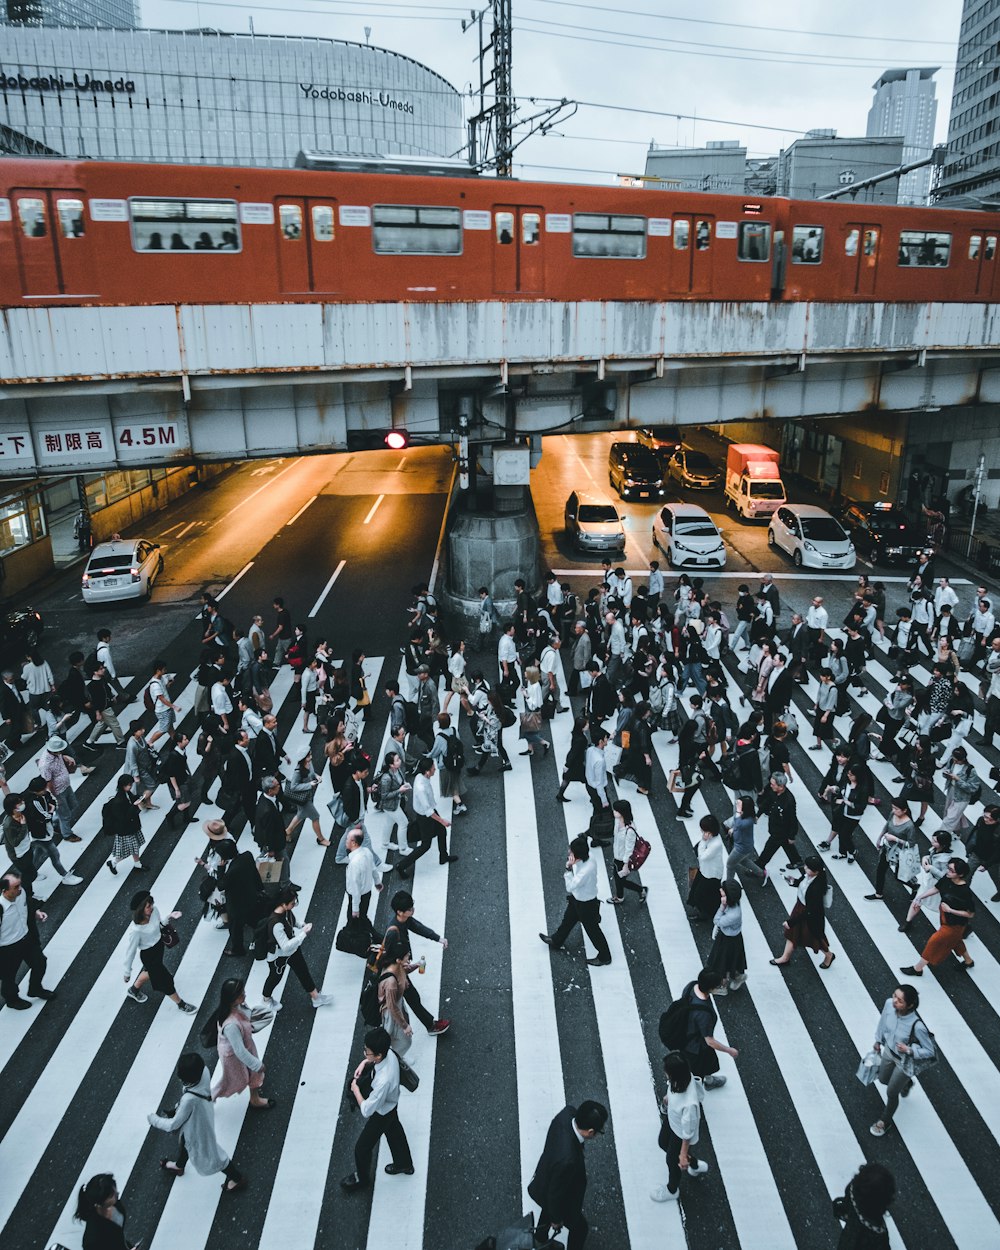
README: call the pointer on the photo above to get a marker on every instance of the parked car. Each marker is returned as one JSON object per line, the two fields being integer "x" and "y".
{"x": 883, "y": 533}
{"x": 693, "y": 470}
{"x": 634, "y": 471}
{"x": 663, "y": 439}
{"x": 811, "y": 536}
{"x": 593, "y": 524}
{"x": 20, "y": 631}
{"x": 123, "y": 569}
{"x": 688, "y": 536}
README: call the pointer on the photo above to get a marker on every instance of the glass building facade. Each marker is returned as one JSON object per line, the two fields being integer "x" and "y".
{"x": 204, "y": 97}
{"x": 971, "y": 171}
{"x": 121, "y": 14}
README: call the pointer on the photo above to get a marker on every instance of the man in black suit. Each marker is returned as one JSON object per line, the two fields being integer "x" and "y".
{"x": 560, "y": 1179}
{"x": 601, "y": 701}
{"x": 267, "y": 754}
{"x": 246, "y": 902}
{"x": 355, "y": 793}
{"x": 268, "y": 823}
{"x": 799, "y": 641}
{"x": 770, "y": 592}
{"x": 779, "y": 687}
{"x": 239, "y": 782}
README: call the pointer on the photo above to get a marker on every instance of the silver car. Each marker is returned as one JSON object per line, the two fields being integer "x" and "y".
{"x": 123, "y": 569}
{"x": 593, "y": 524}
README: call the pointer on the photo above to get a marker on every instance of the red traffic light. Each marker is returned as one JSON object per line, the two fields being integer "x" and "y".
{"x": 396, "y": 440}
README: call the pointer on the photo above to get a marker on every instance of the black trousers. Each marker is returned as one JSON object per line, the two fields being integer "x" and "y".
{"x": 376, "y": 1127}
{"x": 412, "y": 1000}
{"x": 238, "y": 922}
{"x": 881, "y": 871}
{"x": 776, "y": 843}
{"x": 29, "y": 951}
{"x": 577, "y": 1228}
{"x": 589, "y": 915}
{"x": 673, "y": 1153}
{"x": 298, "y": 965}
{"x": 429, "y": 829}
{"x": 621, "y": 884}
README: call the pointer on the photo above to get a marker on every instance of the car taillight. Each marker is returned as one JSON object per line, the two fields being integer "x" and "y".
{"x": 135, "y": 574}
{"x": 86, "y": 579}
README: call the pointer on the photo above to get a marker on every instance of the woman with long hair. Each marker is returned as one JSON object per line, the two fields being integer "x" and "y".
{"x": 145, "y": 937}
{"x": 899, "y": 834}
{"x": 574, "y": 768}
{"x": 848, "y": 808}
{"x": 703, "y": 892}
{"x": 102, "y": 1213}
{"x": 623, "y": 846}
{"x": 806, "y": 924}
{"x": 231, "y": 1028}
{"x": 392, "y": 986}
{"x": 679, "y": 1128}
{"x": 491, "y": 718}
{"x": 301, "y": 789}
{"x": 534, "y": 697}
{"x": 727, "y": 956}
{"x": 743, "y": 854}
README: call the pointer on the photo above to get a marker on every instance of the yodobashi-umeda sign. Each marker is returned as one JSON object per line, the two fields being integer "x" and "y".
{"x": 344, "y": 96}
{"x": 57, "y": 82}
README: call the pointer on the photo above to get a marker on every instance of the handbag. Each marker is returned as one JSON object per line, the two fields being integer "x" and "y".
{"x": 408, "y": 1079}
{"x": 169, "y": 936}
{"x": 612, "y": 755}
{"x": 356, "y": 938}
{"x": 265, "y": 702}
{"x": 908, "y": 864}
{"x": 365, "y": 700}
{"x": 485, "y": 624}
{"x": 337, "y": 810}
{"x": 867, "y": 1072}
{"x": 531, "y": 723}
{"x": 269, "y": 871}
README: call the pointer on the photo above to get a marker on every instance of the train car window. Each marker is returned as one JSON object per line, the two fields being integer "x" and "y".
{"x": 924, "y": 248}
{"x": 753, "y": 241}
{"x": 807, "y": 245}
{"x": 505, "y": 228}
{"x": 851, "y": 242}
{"x": 184, "y": 225}
{"x": 290, "y": 220}
{"x": 416, "y": 230}
{"x": 682, "y": 234}
{"x": 609, "y": 237}
{"x": 991, "y": 246}
{"x": 70, "y": 218}
{"x": 975, "y": 243}
{"x": 531, "y": 226}
{"x": 702, "y": 235}
{"x": 322, "y": 220}
{"x": 32, "y": 215}
{"x": 871, "y": 242}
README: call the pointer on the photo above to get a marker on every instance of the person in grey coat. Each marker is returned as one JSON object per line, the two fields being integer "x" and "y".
{"x": 904, "y": 1046}
{"x": 963, "y": 784}
{"x": 194, "y": 1120}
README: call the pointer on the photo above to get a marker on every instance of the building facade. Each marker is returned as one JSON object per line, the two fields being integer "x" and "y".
{"x": 820, "y": 163}
{"x": 204, "y": 97}
{"x": 123, "y": 14}
{"x": 971, "y": 172}
{"x": 905, "y": 104}
{"x": 719, "y": 167}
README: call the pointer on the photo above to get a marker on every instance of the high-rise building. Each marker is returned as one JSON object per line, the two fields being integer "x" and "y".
{"x": 905, "y": 104}
{"x": 119, "y": 14}
{"x": 971, "y": 170}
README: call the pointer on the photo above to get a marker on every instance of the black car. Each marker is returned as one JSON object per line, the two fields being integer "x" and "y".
{"x": 20, "y": 631}
{"x": 663, "y": 439}
{"x": 634, "y": 471}
{"x": 883, "y": 533}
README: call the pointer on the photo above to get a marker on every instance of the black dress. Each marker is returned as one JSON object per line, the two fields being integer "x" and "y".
{"x": 575, "y": 767}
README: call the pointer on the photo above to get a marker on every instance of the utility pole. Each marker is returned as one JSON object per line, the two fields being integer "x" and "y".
{"x": 491, "y": 130}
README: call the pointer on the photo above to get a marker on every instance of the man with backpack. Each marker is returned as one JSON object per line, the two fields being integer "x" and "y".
{"x": 741, "y": 766}
{"x": 688, "y": 1025}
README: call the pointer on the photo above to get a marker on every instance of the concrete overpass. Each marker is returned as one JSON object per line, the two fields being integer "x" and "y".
{"x": 86, "y": 388}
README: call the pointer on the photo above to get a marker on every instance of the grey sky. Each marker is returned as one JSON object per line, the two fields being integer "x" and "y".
{"x": 668, "y": 58}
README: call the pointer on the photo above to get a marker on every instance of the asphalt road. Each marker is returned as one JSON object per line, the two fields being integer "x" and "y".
{"x": 531, "y": 1029}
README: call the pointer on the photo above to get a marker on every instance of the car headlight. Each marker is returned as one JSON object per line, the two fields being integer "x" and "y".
{"x": 681, "y": 546}
{"x": 658, "y": 483}
{"x": 808, "y": 545}
{"x": 629, "y": 482}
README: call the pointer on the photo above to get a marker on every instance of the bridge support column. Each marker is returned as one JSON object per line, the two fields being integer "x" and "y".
{"x": 491, "y": 549}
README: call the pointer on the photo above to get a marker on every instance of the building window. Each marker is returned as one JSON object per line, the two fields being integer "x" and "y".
{"x": 924, "y": 248}
{"x": 417, "y": 230}
{"x": 322, "y": 219}
{"x": 883, "y": 482}
{"x": 184, "y": 225}
{"x": 754, "y": 241}
{"x": 609, "y": 236}
{"x": 32, "y": 215}
{"x": 807, "y": 245}
{"x": 70, "y": 218}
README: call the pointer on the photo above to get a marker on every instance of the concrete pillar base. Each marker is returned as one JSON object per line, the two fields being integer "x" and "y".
{"x": 490, "y": 549}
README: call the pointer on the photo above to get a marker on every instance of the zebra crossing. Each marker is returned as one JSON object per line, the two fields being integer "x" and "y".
{"x": 808, "y": 1033}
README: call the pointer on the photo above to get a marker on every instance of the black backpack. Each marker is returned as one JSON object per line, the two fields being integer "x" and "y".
{"x": 91, "y": 664}
{"x": 107, "y": 818}
{"x": 675, "y": 1021}
{"x": 411, "y": 717}
{"x": 454, "y": 753}
{"x": 731, "y": 770}
{"x": 371, "y": 1010}
{"x": 262, "y": 936}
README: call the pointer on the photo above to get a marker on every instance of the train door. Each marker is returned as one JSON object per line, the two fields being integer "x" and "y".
{"x": 692, "y": 245}
{"x": 982, "y": 254}
{"x": 517, "y": 250}
{"x": 49, "y": 228}
{"x": 861, "y": 247}
{"x": 307, "y": 245}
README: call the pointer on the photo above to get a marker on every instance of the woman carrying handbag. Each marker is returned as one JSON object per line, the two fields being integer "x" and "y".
{"x": 531, "y": 717}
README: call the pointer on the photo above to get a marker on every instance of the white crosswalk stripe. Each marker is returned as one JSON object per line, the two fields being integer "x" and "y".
{"x": 296, "y": 1198}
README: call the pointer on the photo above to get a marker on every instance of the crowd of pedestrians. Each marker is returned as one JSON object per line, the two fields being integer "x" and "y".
{"x": 641, "y": 661}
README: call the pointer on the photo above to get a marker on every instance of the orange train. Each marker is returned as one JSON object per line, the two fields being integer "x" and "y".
{"x": 94, "y": 232}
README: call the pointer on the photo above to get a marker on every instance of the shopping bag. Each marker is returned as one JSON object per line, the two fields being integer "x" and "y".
{"x": 868, "y": 1069}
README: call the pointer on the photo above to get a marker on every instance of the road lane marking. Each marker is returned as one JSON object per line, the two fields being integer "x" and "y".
{"x": 301, "y": 510}
{"x": 222, "y": 593}
{"x": 327, "y": 588}
{"x": 172, "y": 528}
{"x": 243, "y": 502}
{"x": 402, "y": 464}
{"x": 190, "y": 526}
{"x": 374, "y": 509}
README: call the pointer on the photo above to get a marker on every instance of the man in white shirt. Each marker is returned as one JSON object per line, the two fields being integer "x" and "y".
{"x": 617, "y": 646}
{"x": 656, "y": 583}
{"x": 944, "y": 594}
{"x": 983, "y": 622}
{"x": 623, "y": 588}
{"x": 582, "y": 906}
{"x": 104, "y": 657}
{"x": 548, "y": 664}
{"x": 19, "y": 943}
{"x": 222, "y": 703}
{"x": 380, "y": 1112}
{"x": 817, "y": 620}
{"x": 507, "y": 661}
{"x": 430, "y": 822}
{"x": 362, "y": 875}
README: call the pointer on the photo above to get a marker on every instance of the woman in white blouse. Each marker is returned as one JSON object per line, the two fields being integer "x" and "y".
{"x": 534, "y": 697}
{"x": 145, "y": 938}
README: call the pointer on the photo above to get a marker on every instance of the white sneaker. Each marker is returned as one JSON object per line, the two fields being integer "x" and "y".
{"x": 699, "y": 1169}
{"x": 720, "y": 992}
{"x": 72, "y": 879}
{"x": 272, "y": 1004}
{"x": 662, "y": 1194}
{"x": 322, "y": 1000}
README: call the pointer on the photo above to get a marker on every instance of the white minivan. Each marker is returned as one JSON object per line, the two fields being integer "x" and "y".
{"x": 689, "y": 536}
{"x": 811, "y": 536}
